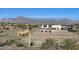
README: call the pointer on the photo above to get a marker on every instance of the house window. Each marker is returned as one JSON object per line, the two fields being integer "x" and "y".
{"x": 50, "y": 26}
{"x": 53, "y": 28}
{"x": 50, "y": 31}
{"x": 45, "y": 26}
{"x": 45, "y": 31}
{"x": 41, "y": 31}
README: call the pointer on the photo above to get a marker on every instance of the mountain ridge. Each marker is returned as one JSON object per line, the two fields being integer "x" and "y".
{"x": 28, "y": 20}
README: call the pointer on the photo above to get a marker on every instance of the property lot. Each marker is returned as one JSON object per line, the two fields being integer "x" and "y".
{"x": 37, "y": 37}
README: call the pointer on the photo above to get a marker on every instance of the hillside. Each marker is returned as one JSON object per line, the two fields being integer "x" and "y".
{"x": 28, "y": 20}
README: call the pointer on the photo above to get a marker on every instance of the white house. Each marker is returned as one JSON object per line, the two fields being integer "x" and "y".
{"x": 54, "y": 27}
{"x": 50, "y": 28}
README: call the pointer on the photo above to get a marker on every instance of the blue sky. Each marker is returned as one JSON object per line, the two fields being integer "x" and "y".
{"x": 40, "y": 12}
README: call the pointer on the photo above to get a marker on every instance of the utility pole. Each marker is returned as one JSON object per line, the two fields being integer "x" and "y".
{"x": 29, "y": 38}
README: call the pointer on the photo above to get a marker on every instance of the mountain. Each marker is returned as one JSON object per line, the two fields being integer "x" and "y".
{"x": 7, "y": 20}
{"x": 28, "y": 20}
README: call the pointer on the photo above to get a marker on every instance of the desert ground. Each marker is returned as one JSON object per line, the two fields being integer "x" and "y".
{"x": 35, "y": 36}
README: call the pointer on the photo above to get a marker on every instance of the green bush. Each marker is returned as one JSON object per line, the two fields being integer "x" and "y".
{"x": 8, "y": 42}
{"x": 69, "y": 44}
{"x": 12, "y": 41}
{"x": 49, "y": 44}
{"x": 73, "y": 30}
{"x": 66, "y": 44}
{"x": 19, "y": 44}
{"x": 1, "y": 31}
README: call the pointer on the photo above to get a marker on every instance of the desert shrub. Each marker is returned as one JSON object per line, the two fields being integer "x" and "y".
{"x": 73, "y": 30}
{"x": 2, "y": 44}
{"x": 1, "y": 31}
{"x": 49, "y": 44}
{"x": 66, "y": 44}
{"x": 12, "y": 41}
{"x": 19, "y": 44}
{"x": 69, "y": 44}
{"x": 8, "y": 42}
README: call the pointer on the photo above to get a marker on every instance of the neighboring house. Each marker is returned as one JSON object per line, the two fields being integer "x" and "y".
{"x": 9, "y": 27}
{"x": 69, "y": 27}
{"x": 1, "y": 28}
{"x": 50, "y": 28}
{"x": 72, "y": 27}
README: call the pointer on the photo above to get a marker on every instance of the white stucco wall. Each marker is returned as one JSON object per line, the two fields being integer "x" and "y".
{"x": 56, "y": 26}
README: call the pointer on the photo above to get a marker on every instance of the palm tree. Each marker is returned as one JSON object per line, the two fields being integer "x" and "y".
{"x": 22, "y": 26}
{"x": 3, "y": 25}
